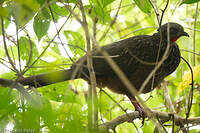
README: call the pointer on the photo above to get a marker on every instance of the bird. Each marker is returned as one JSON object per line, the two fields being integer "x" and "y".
{"x": 136, "y": 56}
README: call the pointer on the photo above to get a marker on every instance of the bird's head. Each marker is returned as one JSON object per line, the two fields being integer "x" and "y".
{"x": 175, "y": 31}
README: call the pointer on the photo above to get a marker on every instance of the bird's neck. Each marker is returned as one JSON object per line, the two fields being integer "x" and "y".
{"x": 164, "y": 38}
{"x": 174, "y": 39}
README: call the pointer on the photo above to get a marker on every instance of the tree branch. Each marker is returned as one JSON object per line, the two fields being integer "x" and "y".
{"x": 163, "y": 116}
{"x": 41, "y": 79}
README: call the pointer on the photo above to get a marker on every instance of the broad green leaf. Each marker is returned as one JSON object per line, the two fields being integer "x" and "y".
{"x": 31, "y": 119}
{"x": 144, "y": 5}
{"x": 58, "y": 11}
{"x": 54, "y": 92}
{"x": 189, "y": 1}
{"x": 28, "y": 50}
{"x": 41, "y": 23}
{"x": 72, "y": 117}
{"x": 29, "y": 4}
{"x": 55, "y": 48}
{"x": 7, "y": 106}
{"x": 76, "y": 42}
{"x": 47, "y": 113}
{"x": 107, "y": 2}
{"x": 2, "y": 52}
{"x": 71, "y": 97}
{"x": 23, "y": 11}
{"x": 53, "y": 54}
{"x": 105, "y": 103}
{"x": 97, "y": 9}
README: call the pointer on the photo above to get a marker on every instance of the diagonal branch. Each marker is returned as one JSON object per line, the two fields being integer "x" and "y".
{"x": 5, "y": 46}
{"x": 163, "y": 116}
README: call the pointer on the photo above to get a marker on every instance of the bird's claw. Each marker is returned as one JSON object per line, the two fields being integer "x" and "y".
{"x": 142, "y": 114}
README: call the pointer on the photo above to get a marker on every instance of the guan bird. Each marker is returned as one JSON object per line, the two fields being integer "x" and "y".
{"x": 136, "y": 56}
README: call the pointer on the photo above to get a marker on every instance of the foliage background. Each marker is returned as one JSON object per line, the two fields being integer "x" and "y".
{"x": 43, "y": 36}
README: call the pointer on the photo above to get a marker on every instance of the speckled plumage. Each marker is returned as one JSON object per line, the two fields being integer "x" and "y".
{"x": 136, "y": 57}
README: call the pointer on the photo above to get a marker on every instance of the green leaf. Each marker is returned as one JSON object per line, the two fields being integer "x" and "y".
{"x": 189, "y": 1}
{"x": 41, "y": 23}
{"x": 7, "y": 106}
{"x": 2, "y": 52}
{"x": 55, "y": 48}
{"x": 76, "y": 42}
{"x": 148, "y": 127}
{"x": 98, "y": 9}
{"x": 23, "y": 11}
{"x": 107, "y": 2}
{"x": 144, "y": 5}
{"x": 54, "y": 92}
{"x": 71, "y": 97}
{"x": 28, "y": 50}
{"x": 58, "y": 11}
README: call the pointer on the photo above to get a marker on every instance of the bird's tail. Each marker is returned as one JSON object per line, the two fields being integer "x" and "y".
{"x": 47, "y": 78}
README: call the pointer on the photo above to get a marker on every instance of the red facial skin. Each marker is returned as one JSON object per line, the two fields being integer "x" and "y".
{"x": 174, "y": 40}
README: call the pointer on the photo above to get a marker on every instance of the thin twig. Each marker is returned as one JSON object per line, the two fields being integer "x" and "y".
{"x": 194, "y": 35}
{"x": 157, "y": 66}
{"x": 5, "y": 46}
{"x": 173, "y": 124}
{"x": 73, "y": 13}
{"x": 58, "y": 31}
{"x": 155, "y": 10}
{"x": 189, "y": 52}
{"x": 190, "y": 98}
{"x": 118, "y": 104}
{"x": 168, "y": 99}
{"x": 161, "y": 124}
{"x": 152, "y": 74}
{"x": 94, "y": 27}
{"x": 150, "y": 27}
{"x": 7, "y": 66}
{"x": 163, "y": 12}
{"x": 140, "y": 60}
{"x": 113, "y": 100}
{"x": 18, "y": 48}
{"x": 93, "y": 107}
{"x": 111, "y": 24}
{"x": 31, "y": 50}
{"x": 49, "y": 43}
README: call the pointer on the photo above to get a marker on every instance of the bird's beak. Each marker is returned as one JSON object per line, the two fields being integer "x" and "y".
{"x": 185, "y": 34}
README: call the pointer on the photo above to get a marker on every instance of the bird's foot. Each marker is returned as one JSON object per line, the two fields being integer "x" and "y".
{"x": 139, "y": 108}
{"x": 142, "y": 113}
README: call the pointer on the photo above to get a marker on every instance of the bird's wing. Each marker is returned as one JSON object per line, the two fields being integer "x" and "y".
{"x": 127, "y": 54}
